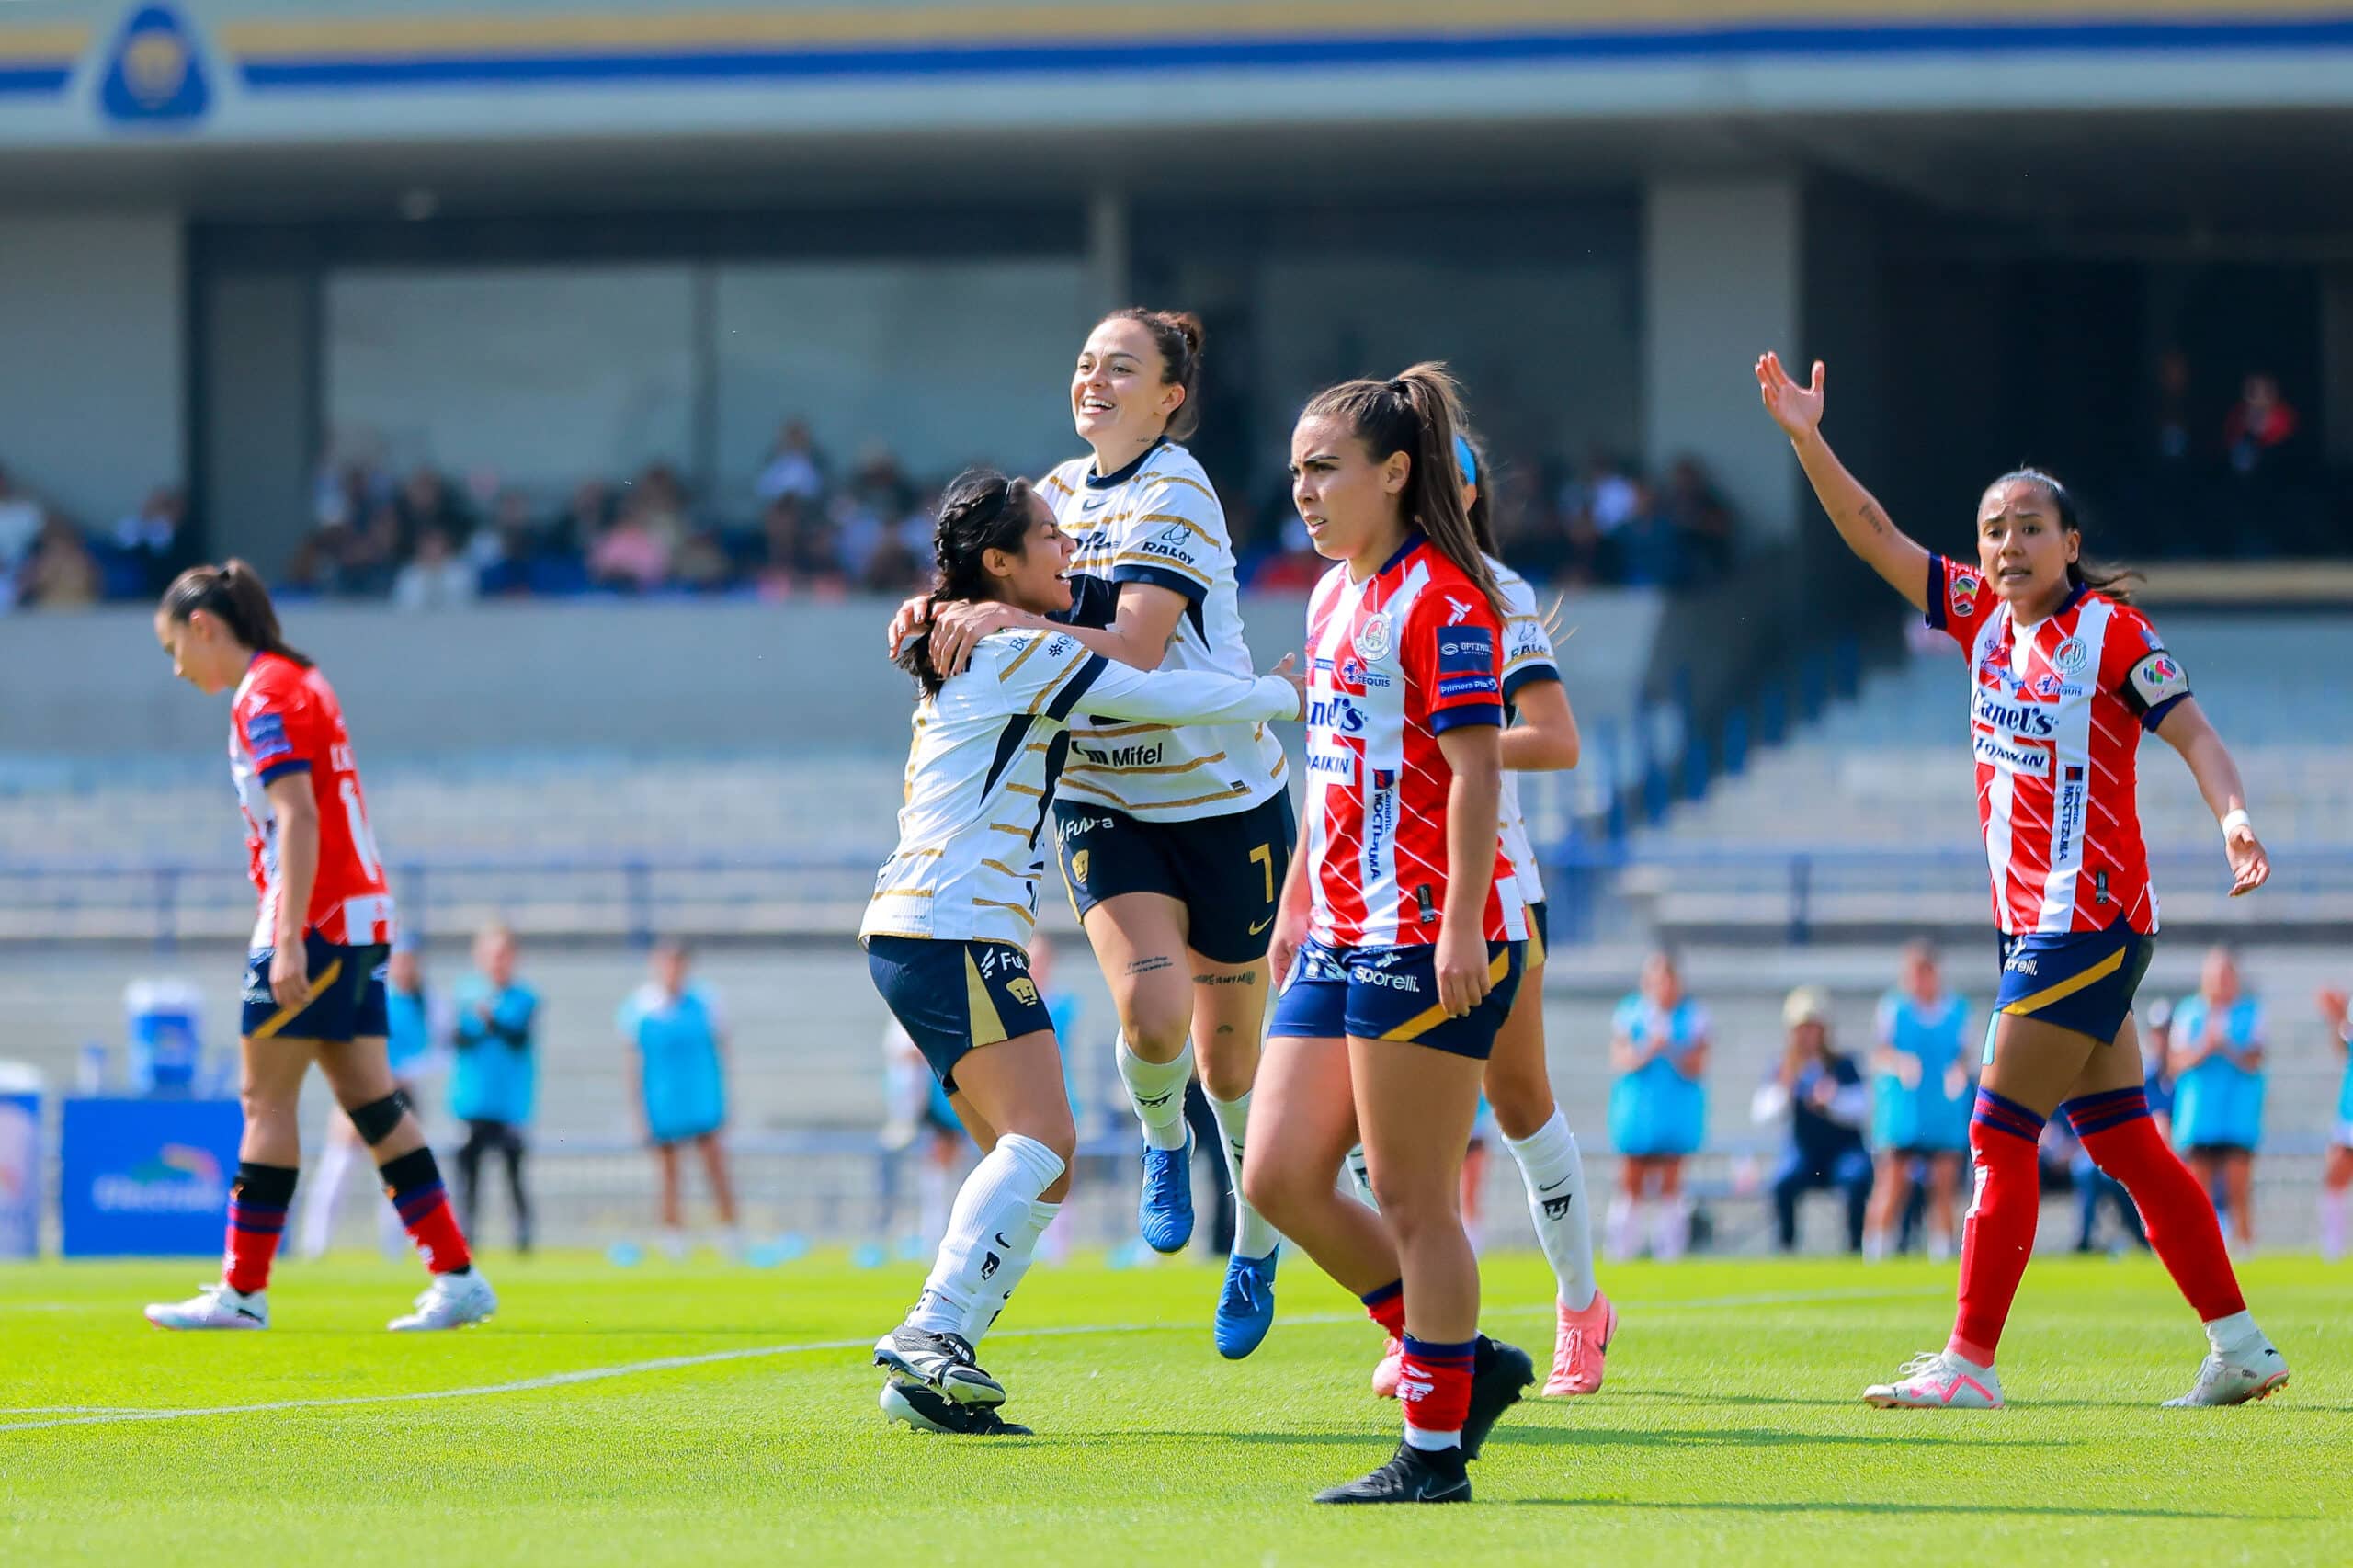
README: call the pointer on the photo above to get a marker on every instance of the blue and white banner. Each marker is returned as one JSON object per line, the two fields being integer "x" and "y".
{"x": 146, "y": 1177}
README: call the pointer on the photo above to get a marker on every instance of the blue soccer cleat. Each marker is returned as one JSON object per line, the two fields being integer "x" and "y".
{"x": 1246, "y": 1308}
{"x": 1164, "y": 1209}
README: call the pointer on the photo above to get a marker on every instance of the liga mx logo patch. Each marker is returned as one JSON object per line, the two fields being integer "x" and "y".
{"x": 155, "y": 76}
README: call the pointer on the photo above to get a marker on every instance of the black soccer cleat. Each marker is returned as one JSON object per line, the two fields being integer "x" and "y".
{"x": 927, "y": 1409}
{"x": 942, "y": 1360}
{"x": 1499, "y": 1374}
{"x": 1413, "y": 1475}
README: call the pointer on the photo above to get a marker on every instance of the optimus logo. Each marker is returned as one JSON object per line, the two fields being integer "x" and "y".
{"x": 1336, "y": 713}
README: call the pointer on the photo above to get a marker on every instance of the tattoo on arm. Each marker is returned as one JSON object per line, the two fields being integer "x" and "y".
{"x": 1874, "y": 518}
{"x": 1146, "y": 966}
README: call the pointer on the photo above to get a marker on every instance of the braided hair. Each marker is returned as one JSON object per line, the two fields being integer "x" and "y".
{"x": 1417, "y": 413}
{"x": 981, "y": 510}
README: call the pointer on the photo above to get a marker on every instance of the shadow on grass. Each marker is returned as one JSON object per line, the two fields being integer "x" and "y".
{"x": 2070, "y": 1511}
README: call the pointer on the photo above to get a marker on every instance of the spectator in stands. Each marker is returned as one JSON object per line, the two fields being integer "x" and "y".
{"x": 1658, "y": 1109}
{"x": 2260, "y": 425}
{"x": 1700, "y": 520}
{"x": 583, "y": 520}
{"x": 502, "y": 554}
{"x": 63, "y": 573}
{"x": 428, "y": 502}
{"x": 795, "y": 468}
{"x": 21, "y": 517}
{"x": 1596, "y": 507}
{"x": 2218, "y": 1039}
{"x": 680, "y": 1038}
{"x": 494, "y": 1081}
{"x": 703, "y": 565}
{"x": 1821, "y": 1092}
{"x": 794, "y": 552}
{"x": 1921, "y": 1095}
{"x": 2171, "y": 443}
{"x": 437, "y": 578}
{"x": 148, "y": 540}
{"x": 634, "y": 555}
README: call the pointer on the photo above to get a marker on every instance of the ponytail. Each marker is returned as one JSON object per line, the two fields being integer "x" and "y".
{"x": 981, "y": 510}
{"x": 1418, "y": 412}
{"x": 2100, "y": 578}
{"x": 234, "y": 595}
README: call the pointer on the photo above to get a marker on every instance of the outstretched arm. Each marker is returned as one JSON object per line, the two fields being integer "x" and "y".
{"x": 1859, "y": 519}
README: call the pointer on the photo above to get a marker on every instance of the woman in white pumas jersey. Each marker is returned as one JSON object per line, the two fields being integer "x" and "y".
{"x": 1174, "y": 840}
{"x": 947, "y": 930}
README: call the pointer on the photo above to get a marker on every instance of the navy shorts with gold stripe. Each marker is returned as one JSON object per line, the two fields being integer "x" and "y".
{"x": 2082, "y": 980}
{"x": 954, "y": 997}
{"x": 1391, "y": 994}
{"x": 346, "y": 1000}
{"x": 1226, "y": 871}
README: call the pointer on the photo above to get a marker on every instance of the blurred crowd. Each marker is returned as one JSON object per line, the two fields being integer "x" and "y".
{"x": 45, "y": 563}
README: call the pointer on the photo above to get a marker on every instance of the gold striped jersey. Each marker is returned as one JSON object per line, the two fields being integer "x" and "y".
{"x": 980, "y": 775}
{"x": 1158, "y": 521}
{"x": 1527, "y": 657}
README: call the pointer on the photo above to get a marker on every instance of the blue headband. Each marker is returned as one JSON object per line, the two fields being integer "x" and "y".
{"x": 1466, "y": 459}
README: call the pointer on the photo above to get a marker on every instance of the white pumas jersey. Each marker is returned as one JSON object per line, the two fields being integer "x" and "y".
{"x": 1158, "y": 521}
{"x": 1526, "y": 656}
{"x": 980, "y": 775}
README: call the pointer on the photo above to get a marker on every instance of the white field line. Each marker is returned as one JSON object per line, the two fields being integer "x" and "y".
{"x": 100, "y": 1416}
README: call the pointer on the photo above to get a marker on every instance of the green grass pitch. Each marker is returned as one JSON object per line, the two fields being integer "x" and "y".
{"x": 704, "y": 1414}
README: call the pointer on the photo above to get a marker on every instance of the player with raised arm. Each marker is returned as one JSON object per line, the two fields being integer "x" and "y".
{"x": 1173, "y": 838}
{"x": 1539, "y": 734}
{"x": 315, "y": 976}
{"x": 1402, "y": 933}
{"x": 2065, "y": 676}
{"x": 948, "y": 929}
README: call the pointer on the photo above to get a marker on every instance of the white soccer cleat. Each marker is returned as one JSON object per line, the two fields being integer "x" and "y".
{"x": 453, "y": 1301}
{"x": 1938, "y": 1380}
{"x": 213, "y": 1306}
{"x": 2257, "y": 1371}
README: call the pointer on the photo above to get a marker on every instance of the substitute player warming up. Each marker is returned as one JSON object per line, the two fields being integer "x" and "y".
{"x": 314, "y": 979}
{"x": 1401, "y": 932}
{"x": 2065, "y": 676}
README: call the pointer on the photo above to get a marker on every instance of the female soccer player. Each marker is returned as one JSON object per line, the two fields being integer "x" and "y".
{"x": 1919, "y": 1101}
{"x": 2336, "y": 1175}
{"x": 2217, "y": 1059}
{"x": 680, "y": 1039}
{"x": 409, "y": 1035}
{"x": 948, "y": 929}
{"x": 2064, "y": 674}
{"x": 315, "y": 977}
{"x": 1541, "y": 734}
{"x": 1658, "y": 1109}
{"x": 1401, "y": 931}
{"x": 1173, "y": 839}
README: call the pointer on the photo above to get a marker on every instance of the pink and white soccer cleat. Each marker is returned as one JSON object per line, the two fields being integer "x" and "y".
{"x": 1384, "y": 1376}
{"x": 1578, "y": 1346}
{"x": 1938, "y": 1380}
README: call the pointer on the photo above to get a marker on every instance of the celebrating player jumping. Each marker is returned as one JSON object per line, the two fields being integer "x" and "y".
{"x": 314, "y": 979}
{"x": 948, "y": 929}
{"x": 2064, "y": 674}
{"x": 1402, "y": 933}
{"x": 1173, "y": 838}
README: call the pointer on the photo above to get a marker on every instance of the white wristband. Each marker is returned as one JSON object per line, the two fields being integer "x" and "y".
{"x": 2233, "y": 820}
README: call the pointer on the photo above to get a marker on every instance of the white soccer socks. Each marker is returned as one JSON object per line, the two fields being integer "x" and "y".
{"x": 998, "y": 1203}
{"x": 1554, "y": 1173}
{"x": 1157, "y": 1090}
{"x": 1253, "y": 1237}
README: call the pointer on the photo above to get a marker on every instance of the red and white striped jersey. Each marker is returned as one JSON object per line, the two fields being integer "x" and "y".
{"x": 2055, "y": 717}
{"x": 1393, "y": 662}
{"x": 284, "y": 719}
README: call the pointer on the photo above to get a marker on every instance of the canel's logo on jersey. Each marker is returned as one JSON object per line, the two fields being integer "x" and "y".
{"x": 1335, "y": 712}
{"x": 2021, "y": 718}
{"x": 1373, "y": 639}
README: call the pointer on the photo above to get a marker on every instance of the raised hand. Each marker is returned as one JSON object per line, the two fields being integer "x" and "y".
{"x": 1796, "y": 409}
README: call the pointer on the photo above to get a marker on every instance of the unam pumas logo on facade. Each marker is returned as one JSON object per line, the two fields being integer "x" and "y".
{"x": 179, "y": 1179}
{"x": 155, "y": 76}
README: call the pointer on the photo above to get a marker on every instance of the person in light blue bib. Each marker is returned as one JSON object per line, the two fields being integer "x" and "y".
{"x": 2218, "y": 1058}
{"x": 1921, "y": 1096}
{"x": 1658, "y": 1107}
{"x": 2336, "y": 1175}
{"x": 680, "y": 1036}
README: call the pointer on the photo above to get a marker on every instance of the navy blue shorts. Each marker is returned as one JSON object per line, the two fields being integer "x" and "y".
{"x": 1227, "y": 872}
{"x": 953, "y": 998}
{"x": 347, "y": 995}
{"x": 2082, "y": 980}
{"x": 1539, "y": 934}
{"x": 1391, "y": 994}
